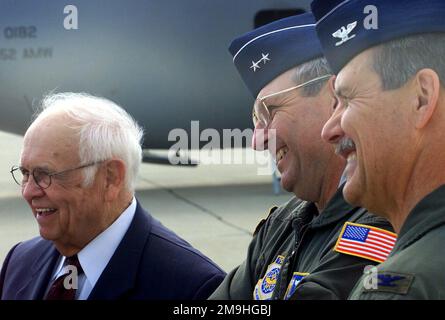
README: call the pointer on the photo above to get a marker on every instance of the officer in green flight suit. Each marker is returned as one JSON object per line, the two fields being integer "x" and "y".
{"x": 300, "y": 250}
{"x": 389, "y": 61}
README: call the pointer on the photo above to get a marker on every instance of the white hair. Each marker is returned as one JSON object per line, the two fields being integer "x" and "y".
{"x": 105, "y": 130}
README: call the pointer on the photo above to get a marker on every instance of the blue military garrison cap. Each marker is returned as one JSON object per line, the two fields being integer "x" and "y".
{"x": 266, "y": 52}
{"x": 349, "y": 27}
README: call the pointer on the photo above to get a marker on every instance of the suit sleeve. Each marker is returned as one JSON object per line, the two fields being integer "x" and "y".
{"x": 4, "y": 269}
{"x": 240, "y": 282}
{"x": 209, "y": 286}
{"x": 337, "y": 273}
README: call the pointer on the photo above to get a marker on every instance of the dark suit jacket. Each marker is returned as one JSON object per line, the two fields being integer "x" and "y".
{"x": 151, "y": 262}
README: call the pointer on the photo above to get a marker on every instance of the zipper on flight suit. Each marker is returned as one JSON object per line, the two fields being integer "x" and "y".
{"x": 290, "y": 261}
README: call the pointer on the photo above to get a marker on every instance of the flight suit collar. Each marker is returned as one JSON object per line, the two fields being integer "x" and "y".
{"x": 335, "y": 211}
{"x": 428, "y": 214}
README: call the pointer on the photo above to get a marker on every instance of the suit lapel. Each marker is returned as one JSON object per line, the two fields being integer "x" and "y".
{"x": 40, "y": 275}
{"x": 120, "y": 274}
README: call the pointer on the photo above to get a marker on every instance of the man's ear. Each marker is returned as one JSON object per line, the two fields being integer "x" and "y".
{"x": 428, "y": 89}
{"x": 115, "y": 178}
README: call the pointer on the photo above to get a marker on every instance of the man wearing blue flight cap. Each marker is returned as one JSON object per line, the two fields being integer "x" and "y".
{"x": 389, "y": 57}
{"x": 300, "y": 251}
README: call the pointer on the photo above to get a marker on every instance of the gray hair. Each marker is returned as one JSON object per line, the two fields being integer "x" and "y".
{"x": 311, "y": 70}
{"x": 399, "y": 60}
{"x": 105, "y": 130}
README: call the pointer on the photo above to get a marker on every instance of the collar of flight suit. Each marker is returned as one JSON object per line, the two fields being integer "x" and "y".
{"x": 336, "y": 210}
{"x": 428, "y": 214}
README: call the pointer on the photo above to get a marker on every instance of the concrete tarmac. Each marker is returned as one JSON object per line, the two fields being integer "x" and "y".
{"x": 214, "y": 207}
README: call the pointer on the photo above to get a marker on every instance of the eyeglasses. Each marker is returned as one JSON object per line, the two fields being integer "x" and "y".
{"x": 261, "y": 116}
{"x": 41, "y": 176}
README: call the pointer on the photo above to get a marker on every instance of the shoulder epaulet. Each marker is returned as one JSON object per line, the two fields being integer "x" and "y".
{"x": 260, "y": 224}
{"x": 365, "y": 241}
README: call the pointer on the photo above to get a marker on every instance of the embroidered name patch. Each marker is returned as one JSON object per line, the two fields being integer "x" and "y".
{"x": 365, "y": 241}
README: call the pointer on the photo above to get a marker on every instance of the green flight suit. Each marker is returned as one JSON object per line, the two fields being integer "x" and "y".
{"x": 292, "y": 255}
{"x": 415, "y": 267}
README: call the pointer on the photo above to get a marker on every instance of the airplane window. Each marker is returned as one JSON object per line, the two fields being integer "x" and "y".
{"x": 266, "y": 16}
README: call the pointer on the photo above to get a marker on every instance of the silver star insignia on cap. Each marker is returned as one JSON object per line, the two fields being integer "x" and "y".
{"x": 256, "y": 65}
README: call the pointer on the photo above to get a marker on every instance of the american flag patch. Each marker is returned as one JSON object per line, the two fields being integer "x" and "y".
{"x": 365, "y": 241}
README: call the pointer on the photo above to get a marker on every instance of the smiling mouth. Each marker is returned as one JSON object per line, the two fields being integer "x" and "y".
{"x": 346, "y": 149}
{"x": 43, "y": 212}
{"x": 352, "y": 156}
{"x": 281, "y": 153}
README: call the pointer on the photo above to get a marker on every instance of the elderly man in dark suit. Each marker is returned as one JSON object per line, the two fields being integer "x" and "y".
{"x": 77, "y": 171}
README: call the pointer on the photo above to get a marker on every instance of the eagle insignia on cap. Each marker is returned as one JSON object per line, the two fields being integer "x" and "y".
{"x": 343, "y": 33}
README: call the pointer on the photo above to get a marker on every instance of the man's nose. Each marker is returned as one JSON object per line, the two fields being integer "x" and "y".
{"x": 332, "y": 131}
{"x": 260, "y": 138}
{"x": 31, "y": 189}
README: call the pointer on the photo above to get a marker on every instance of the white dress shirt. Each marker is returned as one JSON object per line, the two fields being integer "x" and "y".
{"x": 95, "y": 256}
